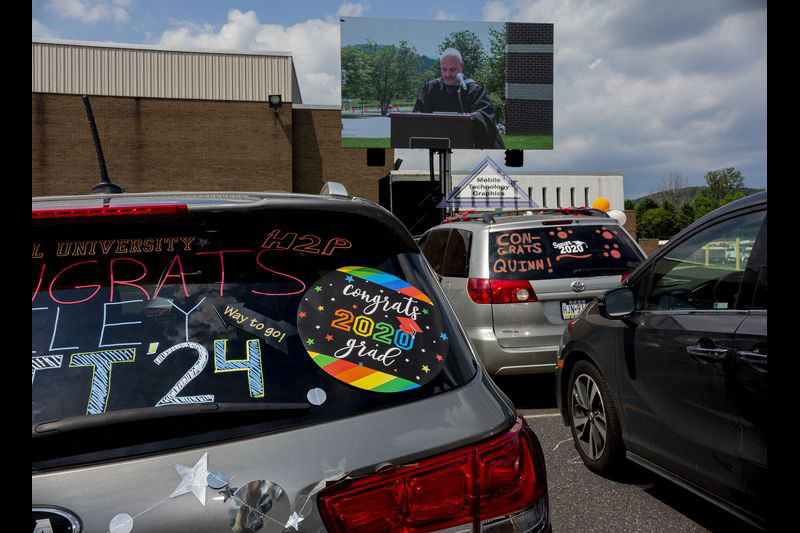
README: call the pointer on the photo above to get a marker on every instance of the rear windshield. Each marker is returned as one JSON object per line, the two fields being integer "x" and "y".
{"x": 329, "y": 310}
{"x": 552, "y": 252}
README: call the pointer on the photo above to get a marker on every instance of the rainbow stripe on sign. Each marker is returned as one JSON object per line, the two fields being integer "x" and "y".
{"x": 386, "y": 280}
{"x": 361, "y": 376}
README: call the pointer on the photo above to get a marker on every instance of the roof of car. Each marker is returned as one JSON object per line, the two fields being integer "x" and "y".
{"x": 535, "y": 215}
{"x": 334, "y": 201}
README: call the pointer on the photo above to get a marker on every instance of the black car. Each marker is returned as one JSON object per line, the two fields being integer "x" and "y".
{"x": 670, "y": 370}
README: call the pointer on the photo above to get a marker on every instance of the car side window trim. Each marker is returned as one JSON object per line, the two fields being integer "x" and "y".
{"x": 752, "y": 274}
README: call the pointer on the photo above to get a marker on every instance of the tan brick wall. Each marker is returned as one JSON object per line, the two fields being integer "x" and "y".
{"x": 318, "y": 156}
{"x": 153, "y": 144}
{"x": 630, "y": 222}
{"x": 649, "y": 246}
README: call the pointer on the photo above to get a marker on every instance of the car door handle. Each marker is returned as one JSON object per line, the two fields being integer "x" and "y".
{"x": 754, "y": 359}
{"x": 708, "y": 354}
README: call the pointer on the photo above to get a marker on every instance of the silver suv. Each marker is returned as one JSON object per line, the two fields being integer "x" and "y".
{"x": 259, "y": 362}
{"x": 515, "y": 279}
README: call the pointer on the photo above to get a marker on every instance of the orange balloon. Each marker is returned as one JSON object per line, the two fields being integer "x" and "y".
{"x": 602, "y": 204}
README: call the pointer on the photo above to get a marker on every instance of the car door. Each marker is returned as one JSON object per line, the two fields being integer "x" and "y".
{"x": 749, "y": 383}
{"x": 677, "y": 404}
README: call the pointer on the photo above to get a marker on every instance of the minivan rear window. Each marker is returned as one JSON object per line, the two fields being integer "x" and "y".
{"x": 552, "y": 252}
{"x": 231, "y": 308}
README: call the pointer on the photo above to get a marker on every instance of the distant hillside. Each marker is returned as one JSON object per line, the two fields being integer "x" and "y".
{"x": 688, "y": 194}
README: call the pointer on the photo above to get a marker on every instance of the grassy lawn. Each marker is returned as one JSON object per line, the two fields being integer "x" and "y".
{"x": 365, "y": 142}
{"x": 527, "y": 141}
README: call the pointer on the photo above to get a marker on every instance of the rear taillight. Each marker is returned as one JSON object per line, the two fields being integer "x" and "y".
{"x": 500, "y": 291}
{"x": 500, "y": 481}
{"x": 107, "y": 211}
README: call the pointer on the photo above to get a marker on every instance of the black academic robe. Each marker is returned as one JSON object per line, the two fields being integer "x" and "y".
{"x": 475, "y": 100}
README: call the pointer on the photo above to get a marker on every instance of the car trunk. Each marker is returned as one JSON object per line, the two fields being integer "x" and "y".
{"x": 540, "y": 323}
{"x": 565, "y": 265}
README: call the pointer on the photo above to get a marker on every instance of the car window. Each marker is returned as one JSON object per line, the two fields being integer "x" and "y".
{"x": 435, "y": 249}
{"x": 456, "y": 261}
{"x": 760, "y": 295}
{"x": 552, "y": 252}
{"x": 231, "y": 308}
{"x": 423, "y": 241}
{"x": 706, "y": 270}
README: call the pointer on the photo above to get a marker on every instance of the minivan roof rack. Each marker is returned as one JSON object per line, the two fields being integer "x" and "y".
{"x": 491, "y": 217}
{"x": 333, "y": 188}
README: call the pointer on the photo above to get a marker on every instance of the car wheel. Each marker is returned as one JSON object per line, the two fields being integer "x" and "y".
{"x": 593, "y": 419}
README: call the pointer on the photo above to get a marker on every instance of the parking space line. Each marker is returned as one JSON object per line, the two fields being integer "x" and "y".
{"x": 541, "y": 416}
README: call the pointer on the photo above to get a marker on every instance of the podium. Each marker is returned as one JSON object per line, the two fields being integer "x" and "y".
{"x": 438, "y": 131}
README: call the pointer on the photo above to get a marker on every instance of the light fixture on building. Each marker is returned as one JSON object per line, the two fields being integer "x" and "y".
{"x": 275, "y": 101}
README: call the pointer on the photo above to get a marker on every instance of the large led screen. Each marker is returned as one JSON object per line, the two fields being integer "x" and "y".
{"x": 446, "y": 84}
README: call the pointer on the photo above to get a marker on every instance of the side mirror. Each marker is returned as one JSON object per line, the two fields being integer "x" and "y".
{"x": 617, "y": 303}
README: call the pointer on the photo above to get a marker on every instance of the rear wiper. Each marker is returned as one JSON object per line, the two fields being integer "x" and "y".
{"x": 269, "y": 411}
{"x": 603, "y": 270}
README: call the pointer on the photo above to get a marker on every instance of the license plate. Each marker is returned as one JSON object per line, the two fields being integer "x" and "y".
{"x": 572, "y": 308}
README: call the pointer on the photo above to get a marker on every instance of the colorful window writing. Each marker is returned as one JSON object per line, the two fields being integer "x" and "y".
{"x": 561, "y": 251}
{"x": 236, "y": 309}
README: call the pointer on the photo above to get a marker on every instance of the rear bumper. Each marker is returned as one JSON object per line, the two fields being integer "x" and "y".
{"x": 500, "y": 361}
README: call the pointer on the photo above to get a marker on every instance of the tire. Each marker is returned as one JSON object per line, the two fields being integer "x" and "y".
{"x": 593, "y": 419}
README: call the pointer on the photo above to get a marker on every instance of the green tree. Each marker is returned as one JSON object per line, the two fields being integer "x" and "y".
{"x": 701, "y": 204}
{"x": 685, "y": 215}
{"x": 471, "y": 48}
{"x": 644, "y": 205}
{"x": 391, "y": 72}
{"x": 355, "y": 72}
{"x": 630, "y": 205}
{"x": 492, "y": 75}
{"x": 723, "y": 182}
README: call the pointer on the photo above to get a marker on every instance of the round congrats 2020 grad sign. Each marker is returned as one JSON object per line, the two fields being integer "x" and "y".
{"x": 372, "y": 330}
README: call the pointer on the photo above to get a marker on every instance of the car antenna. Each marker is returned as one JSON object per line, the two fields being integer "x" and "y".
{"x": 105, "y": 186}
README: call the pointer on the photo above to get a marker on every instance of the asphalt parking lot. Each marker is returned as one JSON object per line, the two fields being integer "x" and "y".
{"x": 636, "y": 501}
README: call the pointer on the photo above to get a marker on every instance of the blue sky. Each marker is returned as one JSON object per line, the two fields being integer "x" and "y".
{"x": 648, "y": 88}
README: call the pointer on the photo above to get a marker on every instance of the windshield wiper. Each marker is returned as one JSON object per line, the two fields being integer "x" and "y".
{"x": 602, "y": 270}
{"x": 261, "y": 411}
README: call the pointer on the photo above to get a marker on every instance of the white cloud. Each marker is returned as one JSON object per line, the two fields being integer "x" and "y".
{"x": 40, "y": 31}
{"x": 650, "y": 89}
{"x": 496, "y": 11}
{"x": 314, "y": 45}
{"x": 353, "y": 9}
{"x": 91, "y": 11}
{"x": 444, "y": 15}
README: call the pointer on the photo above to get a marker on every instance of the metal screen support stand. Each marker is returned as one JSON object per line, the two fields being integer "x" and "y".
{"x": 445, "y": 177}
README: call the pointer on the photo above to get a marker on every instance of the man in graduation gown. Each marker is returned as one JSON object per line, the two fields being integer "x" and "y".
{"x": 455, "y": 93}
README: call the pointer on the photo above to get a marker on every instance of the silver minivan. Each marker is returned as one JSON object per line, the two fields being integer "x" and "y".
{"x": 516, "y": 279}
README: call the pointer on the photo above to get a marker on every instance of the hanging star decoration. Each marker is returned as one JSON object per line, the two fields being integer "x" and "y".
{"x": 294, "y": 520}
{"x": 193, "y": 479}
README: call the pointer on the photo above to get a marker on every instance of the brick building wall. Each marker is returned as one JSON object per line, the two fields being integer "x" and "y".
{"x": 650, "y": 246}
{"x": 318, "y": 156}
{"x": 529, "y": 78}
{"x": 153, "y": 144}
{"x": 630, "y": 222}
